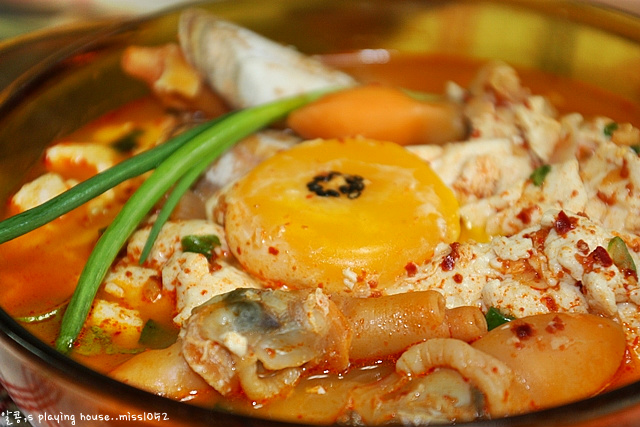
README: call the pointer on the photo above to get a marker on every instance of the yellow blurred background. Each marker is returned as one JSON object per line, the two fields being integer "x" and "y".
{"x": 18, "y": 17}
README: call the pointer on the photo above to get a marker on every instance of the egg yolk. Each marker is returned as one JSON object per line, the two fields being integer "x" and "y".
{"x": 339, "y": 214}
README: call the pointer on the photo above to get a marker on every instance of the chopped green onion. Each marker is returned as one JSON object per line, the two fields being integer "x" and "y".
{"x": 156, "y": 336}
{"x": 96, "y": 340}
{"x": 636, "y": 148}
{"x": 620, "y": 255}
{"x": 495, "y": 318}
{"x": 206, "y": 146}
{"x": 423, "y": 96}
{"x": 42, "y": 316}
{"x": 200, "y": 244}
{"x": 538, "y": 175}
{"x": 127, "y": 142}
{"x": 609, "y": 129}
{"x": 81, "y": 193}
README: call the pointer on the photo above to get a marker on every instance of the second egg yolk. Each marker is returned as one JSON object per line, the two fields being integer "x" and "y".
{"x": 339, "y": 214}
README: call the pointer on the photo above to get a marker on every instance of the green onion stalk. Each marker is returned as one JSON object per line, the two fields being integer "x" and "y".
{"x": 182, "y": 167}
{"x": 176, "y": 165}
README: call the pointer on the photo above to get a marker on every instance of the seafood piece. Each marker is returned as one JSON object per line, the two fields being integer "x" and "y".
{"x": 245, "y": 68}
{"x": 399, "y": 321}
{"x": 530, "y": 363}
{"x": 260, "y": 341}
{"x": 478, "y": 385}
{"x": 163, "y": 372}
{"x": 236, "y": 338}
{"x": 438, "y": 398}
{"x": 171, "y": 78}
{"x": 196, "y": 281}
{"x": 503, "y": 391}
{"x": 551, "y": 352}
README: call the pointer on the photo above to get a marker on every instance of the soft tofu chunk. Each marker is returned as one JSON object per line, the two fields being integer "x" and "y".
{"x": 478, "y": 169}
{"x": 196, "y": 281}
{"x": 124, "y": 325}
{"x": 169, "y": 240}
{"x": 132, "y": 283}
{"x": 611, "y": 176}
{"x": 38, "y": 191}
{"x": 80, "y": 159}
{"x": 560, "y": 264}
{"x": 524, "y": 203}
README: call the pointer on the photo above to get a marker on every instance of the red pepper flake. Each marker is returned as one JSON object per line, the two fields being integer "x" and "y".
{"x": 548, "y": 301}
{"x": 601, "y": 256}
{"x": 538, "y": 238}
{"x": 523, "y": 331}
{"x": 411, "y": 269}
{"x": 608, "y": 200}
{"x": 525, "y": 214}
{"x": 458, "y": 278}
{"x": 556, "y": 325}
{"x": 629, "y": 187}
{"x": 624, "y": 170}
{"x": 449, "y": 261}
{"x": 582, "y": 246}
{"x": 564, "y": 224}
{"x": 273, "y": 251}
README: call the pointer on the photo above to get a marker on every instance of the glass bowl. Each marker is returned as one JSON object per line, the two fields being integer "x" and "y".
{"x": 57, "y": 81}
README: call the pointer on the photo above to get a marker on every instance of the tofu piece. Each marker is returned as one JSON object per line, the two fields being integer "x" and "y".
{"x": 560, "y": 264}
{"x": 80, "y": 159}
{"x": 524, "y": 203}
{"x": 477, "y": 169}
{"x": 169, "y": 240}
{"x": 38, "y": 191}
{"x": 132, "y": 283}
{"x": 537, "y": 122}
{"x": 196, "y": 281}
{"x": 124, "y": 325}
{"x": 610, "y": 176}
